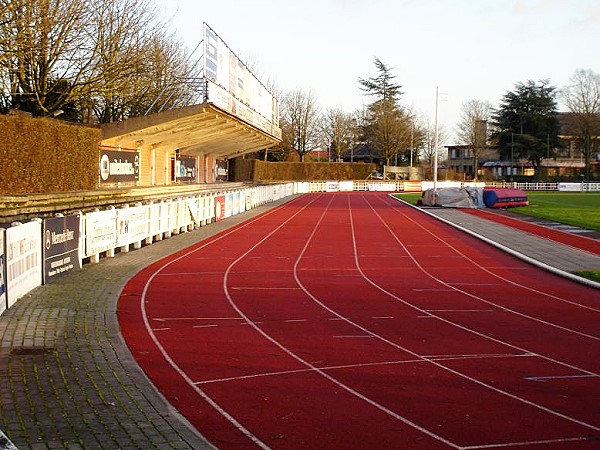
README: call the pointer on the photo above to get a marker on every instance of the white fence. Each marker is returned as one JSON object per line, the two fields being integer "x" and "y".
{"x": 418, "y": 186}
{"x": 28, "y": 256}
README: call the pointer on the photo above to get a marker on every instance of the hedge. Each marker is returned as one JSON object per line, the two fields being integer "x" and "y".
{"x": 46, "y": 155}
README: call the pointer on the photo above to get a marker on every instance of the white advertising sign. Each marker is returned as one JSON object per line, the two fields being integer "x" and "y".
{"x": 241, "y": 92}
{"x": 100, "y": 231}
{"x": 132, "y": 225}
{"x": 570, "y": 187}
{"x": 3, "y": 304}
{"x": 23, "y": 259}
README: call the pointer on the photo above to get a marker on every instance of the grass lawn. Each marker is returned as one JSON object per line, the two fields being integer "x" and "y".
{"x": 410, "y": 197}
{"x": 581, "y": 209}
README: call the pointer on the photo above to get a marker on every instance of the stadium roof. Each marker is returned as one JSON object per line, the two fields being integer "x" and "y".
{"x": 195, "y": 129}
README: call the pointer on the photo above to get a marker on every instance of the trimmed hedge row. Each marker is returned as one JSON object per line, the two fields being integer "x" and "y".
{"x": 256, "y": 170}
{"x": 46, "y": 155}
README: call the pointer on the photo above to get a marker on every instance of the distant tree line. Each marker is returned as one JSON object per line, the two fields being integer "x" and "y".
{"x": 394, "y": 134}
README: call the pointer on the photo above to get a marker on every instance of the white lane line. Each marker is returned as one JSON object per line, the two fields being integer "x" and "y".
{"x": 560, "y": 377}
{"x": 525, "y": 443}
{"x": 263, "y": 288}
{"x": 164, "y": 352}
{"x": 205, "y": 326}
{"x": 437, "y": 364}
{"x": 460, "y": 310}
{"x": 352, "y": 336}
{"x": 360, "y": 365}
{"x": 303, "y": 361}
{"x": 295, "y": 320}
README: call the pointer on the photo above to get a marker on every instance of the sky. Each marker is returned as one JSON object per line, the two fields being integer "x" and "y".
{"x": 463, "y": 49}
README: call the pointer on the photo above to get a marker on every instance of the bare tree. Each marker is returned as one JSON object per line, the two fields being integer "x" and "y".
{"x": 105, "y": 58}
{"x": 339, "y": 131}
{"x": 427, "y": 144}
{"x": 472, "y": 128}
{"x": 582, "y": 97}
{"x": 49, "y": 57}
{"x": 300, "y": 121}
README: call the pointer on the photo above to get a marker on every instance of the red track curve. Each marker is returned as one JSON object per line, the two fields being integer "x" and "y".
{"x": 354, "y": 321}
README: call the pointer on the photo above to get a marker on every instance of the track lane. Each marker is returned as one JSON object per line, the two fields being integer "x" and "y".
{"x": 261, "y": 302}
{"x": 370, "y": 305}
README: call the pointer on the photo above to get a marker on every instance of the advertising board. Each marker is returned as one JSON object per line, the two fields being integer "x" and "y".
{"x": 23, "y": 259}
{"x": 133, "y": 224}
{"x": 100, "y": 231}
{"x": 247, "y": 95}
{"x": 219, "y": 207}
{"x": 185, "y": 168}
{"x": 61, "y": 247}
{"x": 3, "y": 303}
{"x": 119, "y": 166}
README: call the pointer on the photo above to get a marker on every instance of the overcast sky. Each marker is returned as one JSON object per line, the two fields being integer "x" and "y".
{"x": 470, "y": 49}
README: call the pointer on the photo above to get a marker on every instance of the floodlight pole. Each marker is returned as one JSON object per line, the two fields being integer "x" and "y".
{"x": 435, "y": 145}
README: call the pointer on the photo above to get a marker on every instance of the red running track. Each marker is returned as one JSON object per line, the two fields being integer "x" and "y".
{"x": 350, "y": 320}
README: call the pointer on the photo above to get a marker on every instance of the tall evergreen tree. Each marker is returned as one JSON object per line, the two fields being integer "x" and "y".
{"x": 387, "y": 126}
{"x": 526, "y": 122}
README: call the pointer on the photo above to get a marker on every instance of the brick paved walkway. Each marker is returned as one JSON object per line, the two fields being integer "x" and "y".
{"x": 67, "y": 378}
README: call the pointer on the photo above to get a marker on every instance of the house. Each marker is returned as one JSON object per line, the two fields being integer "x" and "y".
{"x": 460, "y": 161}
{"x": 362, "y": 153}
{"x": 567, "y": 161}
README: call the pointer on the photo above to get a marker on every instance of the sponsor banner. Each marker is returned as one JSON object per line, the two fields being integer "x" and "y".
{"x": 248, "y": 95}
{"x": 219, "y": 97}
{"x": 249, "y": 196}
{"x": 185, "y": 168}
{"x": 344, "y": 186}
{"x": 219, "y": 207}
{"x": 61, "y": 247}
{"x": 119, "y": 166}
{"x": 132, "y": 225}
{"x": 570, "y": 187}
{"x": 3, "y": 303}
{"x": 332, "y": 186}
{"x": 23, "y": 259}
{"x": 154, "y": 226}
{"x": 221, "y": 170}
{"x": 228, "y": 205}
{"x": 193, "y": 205}
{"x": 236, "y": 203}
{"x": 381, "y": 187}
{"x": 100, "y": 231}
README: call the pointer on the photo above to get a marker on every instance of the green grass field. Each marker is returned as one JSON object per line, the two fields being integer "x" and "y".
{"x": 581, "y": 209}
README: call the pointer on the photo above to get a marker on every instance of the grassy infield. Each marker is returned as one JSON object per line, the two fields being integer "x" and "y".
{"x": 573, "y": 208}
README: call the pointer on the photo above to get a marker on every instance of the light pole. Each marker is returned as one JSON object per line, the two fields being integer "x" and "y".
{"x": 435, "y": 145}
